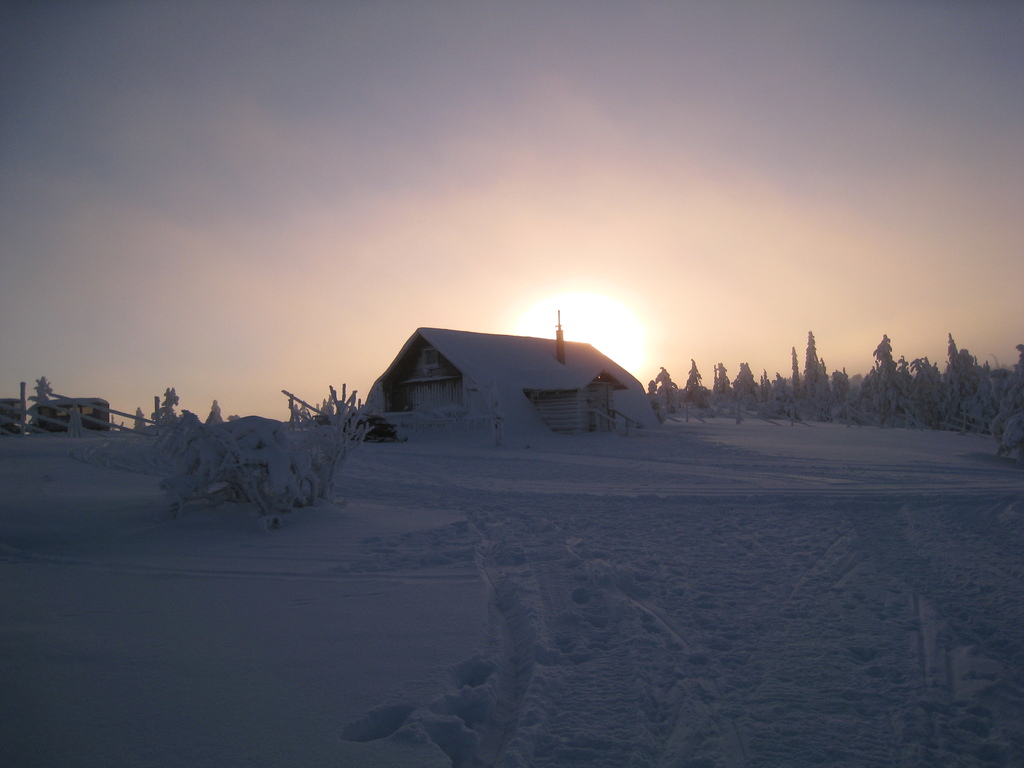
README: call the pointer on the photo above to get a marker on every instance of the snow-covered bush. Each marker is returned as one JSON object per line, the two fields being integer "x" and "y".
{"x": 257, "y": 460}
{"x": 1011, "y": 437}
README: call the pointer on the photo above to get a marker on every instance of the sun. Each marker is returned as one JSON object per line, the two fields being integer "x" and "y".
{"x": 589, "y": 317}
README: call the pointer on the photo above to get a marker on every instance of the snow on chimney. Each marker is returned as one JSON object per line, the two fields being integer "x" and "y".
{"x": 559, "y": 340}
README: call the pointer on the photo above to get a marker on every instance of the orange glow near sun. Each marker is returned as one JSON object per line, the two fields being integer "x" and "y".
{"x": 592, "y": 318}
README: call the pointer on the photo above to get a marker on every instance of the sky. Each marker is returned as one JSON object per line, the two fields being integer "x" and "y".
{"x": 236, "y": 198}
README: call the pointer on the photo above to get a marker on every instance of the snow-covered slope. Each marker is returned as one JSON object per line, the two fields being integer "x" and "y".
{"x": 702, "y": 595}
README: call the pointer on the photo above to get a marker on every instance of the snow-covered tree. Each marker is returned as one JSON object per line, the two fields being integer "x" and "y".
{"x": 667, "y": 391}
{"x": 140, "y": 419}
{"x": 903, "y": 381}
{"x": 167, "y": 414}
{"x": 764, "y": 387}
{"x": 781, "y": 402}
{"x": 744, "y": 387}
{"x": 841, "y": 392}
{"x": 696, "y": 393}
{"x": 43, "y": 394}
{"x": 43, "y": 391}
{"x": 1008, "y": 425}
{"x": 966, "y": 408}
{"x": 721, "y": 387}
{"x": 795, "y": 384}
{"x": 814, "y": 390}
{"x": 926, "y": 393}
{"x": 879, "y": 393}
{"x": 215, "y": 416}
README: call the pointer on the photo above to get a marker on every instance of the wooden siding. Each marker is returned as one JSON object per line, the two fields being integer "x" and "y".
{"x": 429, "y": 364}
{"x": 423, "y": 381}
{"x": 571, "y": 411}
{"x": 425, "y": 396}
{"x": 600, "y": 397}
{"x": 562, "y": 410}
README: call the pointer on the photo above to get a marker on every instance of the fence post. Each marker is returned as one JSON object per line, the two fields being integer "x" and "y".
{"x": 74, "y": 420}
{"x": 22, "y": 416}
{"x": 156, "y": 413}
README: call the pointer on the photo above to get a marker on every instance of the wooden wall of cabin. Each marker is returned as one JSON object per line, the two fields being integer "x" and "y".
{"x": 600, "y": 397}
{"x": 425, "y": 396}
{"x": 562, "y": 410}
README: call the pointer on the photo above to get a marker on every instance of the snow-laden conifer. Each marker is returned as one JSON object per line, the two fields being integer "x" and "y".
{"x": 166, "y": 414}
{"x": 764, "y": 387}
{"x": 781, "y": 402}
{"x": 43, "y": 391}
{"x": 795, "y": 384}
{"x": 814, "y": 391}
{"x": 215, "y": 415}
{"x": 43, "y": 394}
{"x": 879, "y": 391}
{"x": 926, "y": 393}
{"x": 667, "y": 392}
{"x": 696, "y": 393}
{"x": 721, "y": 386}
{"x": 1008, "y": 425}
{"x": 841, "y": 394}
{"x": 744, "y": 387}
{"x": 966, "y": 407}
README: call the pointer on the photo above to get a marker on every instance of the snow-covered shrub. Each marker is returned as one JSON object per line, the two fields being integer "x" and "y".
{"x": 1011, "y": 437}
{"x": 257, "y": 460}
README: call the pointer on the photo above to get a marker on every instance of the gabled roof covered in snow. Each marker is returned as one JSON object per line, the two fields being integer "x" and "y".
{"x": 523, "y": 361}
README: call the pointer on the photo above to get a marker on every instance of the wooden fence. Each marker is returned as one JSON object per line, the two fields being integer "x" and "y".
{"x": 63, "y": 415}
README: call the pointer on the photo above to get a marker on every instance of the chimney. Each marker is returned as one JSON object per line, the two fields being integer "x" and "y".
{"x": 559, "y": 340}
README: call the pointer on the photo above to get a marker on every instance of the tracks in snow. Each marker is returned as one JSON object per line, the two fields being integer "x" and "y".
{"x": 716, "y": 627}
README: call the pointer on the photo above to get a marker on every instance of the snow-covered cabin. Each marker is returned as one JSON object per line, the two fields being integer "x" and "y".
{"x": 528, "y": 382}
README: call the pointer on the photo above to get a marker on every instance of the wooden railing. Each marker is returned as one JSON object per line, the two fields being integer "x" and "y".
{"x": 26, "y": 419}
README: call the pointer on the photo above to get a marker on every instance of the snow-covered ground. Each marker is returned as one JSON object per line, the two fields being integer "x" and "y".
{"x": 704, "y": 594}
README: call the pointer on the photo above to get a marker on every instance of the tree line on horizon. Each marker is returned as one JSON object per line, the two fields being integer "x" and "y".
{"x": 967, "y": 397}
